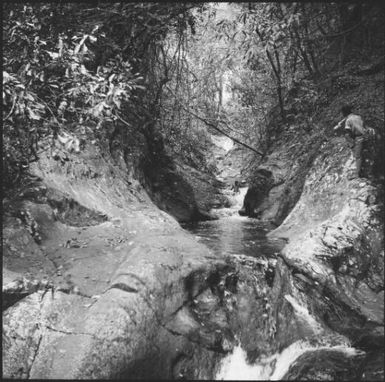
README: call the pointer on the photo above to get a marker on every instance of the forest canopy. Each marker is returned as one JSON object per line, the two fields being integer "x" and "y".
{"x": 180, "y": 68}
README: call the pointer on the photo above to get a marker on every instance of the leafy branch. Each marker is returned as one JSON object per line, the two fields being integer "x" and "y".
{"x": 213, "y": 125}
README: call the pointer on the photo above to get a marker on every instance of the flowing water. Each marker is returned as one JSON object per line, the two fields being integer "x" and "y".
{"x": 329, "y": 353}
{"x": 233, "y": 235}
{"x": 275, "y": 367}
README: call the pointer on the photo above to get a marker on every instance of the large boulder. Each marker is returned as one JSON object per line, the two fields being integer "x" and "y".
{"x": 336, "y": 247}
{"x": 257, "y": 192}
{"x": 112, "y": 328}
{"x": 275, "y": 185}
{"x": 187, "y": 191}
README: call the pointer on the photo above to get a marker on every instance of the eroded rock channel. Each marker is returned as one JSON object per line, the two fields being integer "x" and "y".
{"x": 182, "y": 199}
{"x": 293, "y": 320}
{"x": 241, "y": 300}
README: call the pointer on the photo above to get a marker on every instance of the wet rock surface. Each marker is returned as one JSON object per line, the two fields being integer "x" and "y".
{"x": 257, "y": 192}
{"x": 341, "y": 247}
{"x": 185, "y": 191}
{"x": 93, "y": 274}
{"x": 98, "y": 283}
{"x": 325, "y": 365}
{"x": 328, "y": 282}
{"x": 276, "y": 184}
{"x": 335, "y": 255}
{"x": 120, "y": 306}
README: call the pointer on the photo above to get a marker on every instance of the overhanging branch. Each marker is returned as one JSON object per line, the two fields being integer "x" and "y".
{"x": 210, "y": 124}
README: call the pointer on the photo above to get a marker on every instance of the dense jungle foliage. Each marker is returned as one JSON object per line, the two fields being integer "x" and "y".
{"x": 243, "y": 69}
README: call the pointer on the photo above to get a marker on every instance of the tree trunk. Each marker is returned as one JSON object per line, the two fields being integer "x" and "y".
{"x": 220, "y": 90}
{"x": 279, "y": 86}
{"x": 277, "y": 71}
{"x": 303, "y": 52}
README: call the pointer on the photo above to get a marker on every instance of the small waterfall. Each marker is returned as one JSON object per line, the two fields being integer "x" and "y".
{"x": 238, "y": 198}
{"x": 304, "y": 316}
{"x": 273, "y": 368}
{"x": 236, "y": 204}
{"x": 235, "y": 366}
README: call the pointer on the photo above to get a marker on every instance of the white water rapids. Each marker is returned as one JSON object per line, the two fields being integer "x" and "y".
{"x": 273, "y": 368}
{"x": 228, "y": 236}
{"x": 236, "y": 204}
{"x": 235, "y": 366}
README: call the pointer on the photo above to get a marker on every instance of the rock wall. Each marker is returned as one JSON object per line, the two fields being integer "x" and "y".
{"x": 185, "y": 191}
{"x": 180, "y": 189}
{"x": 294, "y": 147}
{"x": 335, "y": 254}
{"x": 336, "y": 239}
{"x": 326, "y": 290}
{"x": 334, "y": 260}
{"x": 97, "y": 281}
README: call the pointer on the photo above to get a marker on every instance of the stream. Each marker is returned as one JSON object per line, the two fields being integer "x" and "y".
{"x": 320, "y": 354}
{"x": 232, "y": 234}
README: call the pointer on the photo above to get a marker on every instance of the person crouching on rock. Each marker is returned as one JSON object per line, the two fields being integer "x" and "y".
{"x": 354, "y": 129}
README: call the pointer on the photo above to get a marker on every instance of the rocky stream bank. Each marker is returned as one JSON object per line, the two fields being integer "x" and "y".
{"x": 334, "y": 260}
{"x": 97, "y": 281}
{"x": 100, "y": 283}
